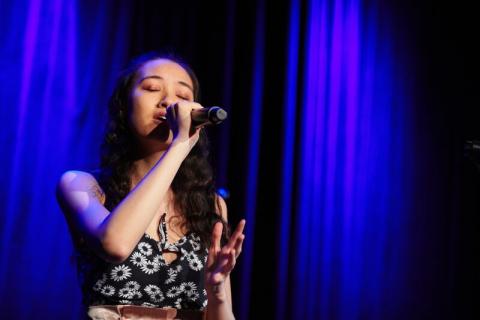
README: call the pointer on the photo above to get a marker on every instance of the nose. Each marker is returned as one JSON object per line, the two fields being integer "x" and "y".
{"x": 167, "y": 99}
{"x": 165, "y": 102}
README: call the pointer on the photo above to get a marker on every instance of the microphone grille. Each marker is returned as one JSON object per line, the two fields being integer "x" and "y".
{"x": 217, "y": 114}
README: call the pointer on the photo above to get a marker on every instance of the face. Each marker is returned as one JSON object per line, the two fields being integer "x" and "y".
{"x": 158, "y": 84}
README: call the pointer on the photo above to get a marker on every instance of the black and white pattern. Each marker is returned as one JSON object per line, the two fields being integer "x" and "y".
{"x": 145, "y": 278}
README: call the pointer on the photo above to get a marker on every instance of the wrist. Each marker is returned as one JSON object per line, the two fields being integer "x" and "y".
{"x": 216, "y": 294}
{"x": 187, "y": 141}
{"x": 181, "y": 144}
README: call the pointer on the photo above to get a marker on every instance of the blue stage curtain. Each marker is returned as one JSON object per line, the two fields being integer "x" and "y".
{"x": 58, "y": 60}
{"x": 345, "y": 152}
{"x": 346, "y": 187}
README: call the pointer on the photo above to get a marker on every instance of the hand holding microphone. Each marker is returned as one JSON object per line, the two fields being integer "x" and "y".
{"x": 187, "y": 118}
{"x": 206, "y": 116}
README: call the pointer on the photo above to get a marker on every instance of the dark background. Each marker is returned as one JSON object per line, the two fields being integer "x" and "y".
{"x": 436, "y": 48}
{"x": 444, "y": 60}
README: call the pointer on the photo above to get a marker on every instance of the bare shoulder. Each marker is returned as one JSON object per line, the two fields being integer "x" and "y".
{"x": 221, "y": 207}
{"x": 74, "y": 182}
{"x": 79, "y": 181}
{"x": 76, "y": 178}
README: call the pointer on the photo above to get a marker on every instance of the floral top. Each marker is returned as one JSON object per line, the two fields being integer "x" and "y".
{"x": 145, "y": 278}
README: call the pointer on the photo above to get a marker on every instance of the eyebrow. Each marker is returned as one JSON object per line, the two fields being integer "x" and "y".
{"x": 158, "y": 77}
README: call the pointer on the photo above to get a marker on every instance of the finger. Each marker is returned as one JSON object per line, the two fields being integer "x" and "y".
{"x": 175, "y": 109}
{"x": 221, "y": 271}
{"x": 170, "y": 112}
{"x": 214, "y": 244}
{"x": 238, "y": 245}
{"x": 197, "y": 106}
{"x": 237, "y": 233}
{"x": 217, "y": 235}
{"x": 240, "y": 226}
{"x": 194, "y": 127}
{"x": 228, "y": 267}
{"x": 188, "y": 106}
{"x": 221, "y": 261}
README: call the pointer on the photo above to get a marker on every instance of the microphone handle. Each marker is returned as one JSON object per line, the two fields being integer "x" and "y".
{"x": 208, "y": 116}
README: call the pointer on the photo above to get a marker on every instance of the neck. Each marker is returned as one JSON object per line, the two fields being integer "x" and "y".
{"x": 142, "y": 165}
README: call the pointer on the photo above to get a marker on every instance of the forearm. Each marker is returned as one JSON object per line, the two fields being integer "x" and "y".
{"x": 126, "y": 224}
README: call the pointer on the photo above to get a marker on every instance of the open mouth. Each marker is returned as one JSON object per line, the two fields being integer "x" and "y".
{"x": 160, "y": 116}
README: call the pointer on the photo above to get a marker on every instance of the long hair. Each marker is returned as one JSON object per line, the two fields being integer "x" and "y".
{"x": 193, "y": 186}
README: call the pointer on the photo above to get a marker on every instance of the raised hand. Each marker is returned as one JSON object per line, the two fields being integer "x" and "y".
{"x": 221, "y": 261}
{"x": 179, "y": 120}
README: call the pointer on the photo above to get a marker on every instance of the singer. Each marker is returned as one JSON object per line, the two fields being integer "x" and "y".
{"x": 150, "y": 233}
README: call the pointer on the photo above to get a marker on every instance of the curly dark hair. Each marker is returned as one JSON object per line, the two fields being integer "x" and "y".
{"x": 193, "y": 186}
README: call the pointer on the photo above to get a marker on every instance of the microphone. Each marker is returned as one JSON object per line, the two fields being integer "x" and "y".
{"x": 208, "y": 116}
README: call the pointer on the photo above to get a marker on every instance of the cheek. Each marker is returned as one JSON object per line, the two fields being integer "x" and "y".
{"x": 140, "y": 114}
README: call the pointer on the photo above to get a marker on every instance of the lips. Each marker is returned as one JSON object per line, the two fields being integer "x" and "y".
{"x": 160, "y": 116}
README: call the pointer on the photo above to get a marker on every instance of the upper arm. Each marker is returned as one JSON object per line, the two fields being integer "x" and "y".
{"x": 81, "y": 200}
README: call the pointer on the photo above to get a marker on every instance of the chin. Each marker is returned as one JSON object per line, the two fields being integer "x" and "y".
{"x": 161, "y": 133}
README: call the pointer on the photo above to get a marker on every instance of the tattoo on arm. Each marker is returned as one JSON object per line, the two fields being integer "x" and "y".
{"x": 96, "y": 192}
{"x": 216, "y": 288}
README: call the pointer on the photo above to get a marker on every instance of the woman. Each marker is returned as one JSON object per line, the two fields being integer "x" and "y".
{"x": 148, "y": 226}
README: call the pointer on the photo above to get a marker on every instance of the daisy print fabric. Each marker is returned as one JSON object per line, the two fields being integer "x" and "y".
{"x": 145, "y": 278}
